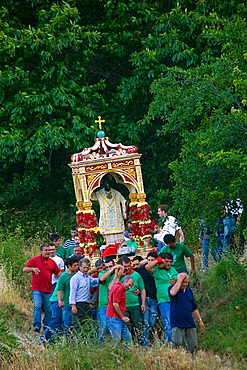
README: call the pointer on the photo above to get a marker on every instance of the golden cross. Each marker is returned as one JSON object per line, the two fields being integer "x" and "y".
{"x": 99, "y": 121}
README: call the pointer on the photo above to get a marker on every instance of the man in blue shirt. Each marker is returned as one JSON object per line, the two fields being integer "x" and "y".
{"x": 80, "y": 285}
{"x": 183, "y": 308}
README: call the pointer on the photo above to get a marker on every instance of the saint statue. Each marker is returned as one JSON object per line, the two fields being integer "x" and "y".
{"x": 112, "y": 212}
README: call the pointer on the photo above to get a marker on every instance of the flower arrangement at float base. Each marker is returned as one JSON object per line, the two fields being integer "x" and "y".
{"x": 140, "y": 217}
{"x": 87, "y": 229}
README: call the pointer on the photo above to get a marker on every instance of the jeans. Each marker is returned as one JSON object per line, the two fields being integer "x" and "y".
{"x": 119, "y": 330}
{"x": 149, "y": 320}
{"x": 103, "y": 321}
{"x": 205, "y": 249}
{"x": 55, "y": 325}
{"x": 93, "y": 312}
{"x": 222, "y": 245}
{"x": 67, "y": 317}
{"x": 164, "y": 309}
{"x": 41, "y": 300}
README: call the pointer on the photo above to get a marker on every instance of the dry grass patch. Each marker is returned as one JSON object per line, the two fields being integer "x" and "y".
{"x": 161, "y": 358}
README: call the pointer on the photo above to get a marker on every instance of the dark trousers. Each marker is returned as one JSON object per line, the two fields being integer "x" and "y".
{"x": 82, "y": 315}
{"x": 135, "y": 324}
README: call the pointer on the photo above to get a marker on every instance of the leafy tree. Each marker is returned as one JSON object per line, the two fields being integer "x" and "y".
{"x": 206, "y": 107}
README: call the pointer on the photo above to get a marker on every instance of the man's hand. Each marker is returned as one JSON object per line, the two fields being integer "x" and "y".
{"x": 126, "y": 319}
{"x": 136, "y": 291}
{"x": 143, "y": 308}
{"x": 60, "y": 304}
{"x": 182, "y": 276}
{"x": 36, "y": 270}
{"x": 74, "y": 309}
{"x": 202, "y": 326}
{"x": 119, "y": 271}
{"x": 172, "y": 281}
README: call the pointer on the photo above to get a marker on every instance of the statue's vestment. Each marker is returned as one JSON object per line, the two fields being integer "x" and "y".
{"x": 112, "y": 213}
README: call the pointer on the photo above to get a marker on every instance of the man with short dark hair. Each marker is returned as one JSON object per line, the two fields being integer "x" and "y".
{"x": 77, "y": 252}
{"x": 42, "y": 267}
{"x": 60, "y": 319}
{"x": 60, "y": 250}
{"x": 116, "y": 310}
{"x": 164, "y": 275}
{"x": 59, "y": 261}
{"x": 94, "y": 292}
{"x": 170, "y": 224}
{"x": 178, "y": 251}
{"x": 70, "y": 242}
{"x": 63, "y": 290}
{"x": 133, "y": 309}
{"x": 103, "y": 299}
{"x": 136, "y": 261}
{"x": 70, "y": 249}
{"x": 151, "y": 314}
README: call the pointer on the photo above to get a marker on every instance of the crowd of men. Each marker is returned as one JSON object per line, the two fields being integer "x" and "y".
{"x": 125, "y": 298}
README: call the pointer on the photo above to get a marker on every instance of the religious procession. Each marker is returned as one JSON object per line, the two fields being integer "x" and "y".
{"x": 120, "y": 274}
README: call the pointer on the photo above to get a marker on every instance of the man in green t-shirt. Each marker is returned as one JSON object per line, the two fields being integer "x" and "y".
{"x": 178, "y": 251}
{"x": 164, "y": 276}
{"x": 63, "y": 290}
{"x": 58, "y": 322}
{"x": 133, "y": 308}
{"x": 131, "y": 242}
{"x": 103, "y": 300}
{"x": 70, "y": 250}
{"x": 60, "y": 250}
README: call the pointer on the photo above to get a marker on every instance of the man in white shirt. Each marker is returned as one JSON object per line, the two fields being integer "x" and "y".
{"x": 170, "y": 225}
{"x": 59, "y": 261}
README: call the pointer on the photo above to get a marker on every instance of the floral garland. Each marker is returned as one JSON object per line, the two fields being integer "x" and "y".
{"x": 87, "y": 226}
{"x": 140, "y": 217}
{"x": 134, "y": 216}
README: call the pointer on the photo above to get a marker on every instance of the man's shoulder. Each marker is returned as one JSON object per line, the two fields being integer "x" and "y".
{"x": 33, "y": 260}
{"x": 65, "y": 276}
{"x": 116, "y": 287}
{"x": 76, "y": 275}
{"x": 171, "y": 218}
{"x": 68, "y": 240}
{"x": 183, "y": 247}
{"x": 57, "y": 258}
{"x": 173, "y": 270}
{"x": 134, "y": 275}
{"x": 180, "y": 245}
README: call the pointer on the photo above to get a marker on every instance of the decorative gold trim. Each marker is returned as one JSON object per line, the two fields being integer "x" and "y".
{"x": 131, "y": 171}
{"x": 90, "y": 178}
{"x": 96, "y": 168}
{"x": 133, "y": 197}
{"x": 123, "y": 164}
{"x": 141, "y": 197}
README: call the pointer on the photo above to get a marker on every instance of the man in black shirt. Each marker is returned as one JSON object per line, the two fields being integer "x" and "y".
{"x": 151, "y": 314}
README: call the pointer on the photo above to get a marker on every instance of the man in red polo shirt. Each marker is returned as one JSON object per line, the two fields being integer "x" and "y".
{"x": 42, "y": 267}
{"x": 116, "y": 309}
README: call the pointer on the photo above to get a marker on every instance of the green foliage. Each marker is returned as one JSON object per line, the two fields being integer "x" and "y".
{"x": 169, "y": 77}
{"x": 13, "y": 256}
{"x": 204, "y": 106}
{"x": 8, "y": 341}
{"x": 222, "y": 303}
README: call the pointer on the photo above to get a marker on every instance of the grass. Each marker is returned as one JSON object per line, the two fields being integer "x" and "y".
{"x": 91, "y": 357}
{"x": 222, "y": 300}
{"x": 220, "y": 294}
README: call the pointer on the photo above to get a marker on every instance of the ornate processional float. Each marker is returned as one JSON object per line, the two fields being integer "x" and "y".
{"x": 90, "y": 168}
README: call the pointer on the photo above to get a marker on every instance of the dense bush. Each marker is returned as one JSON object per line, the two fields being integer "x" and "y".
{"x": 222, "y": 301}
